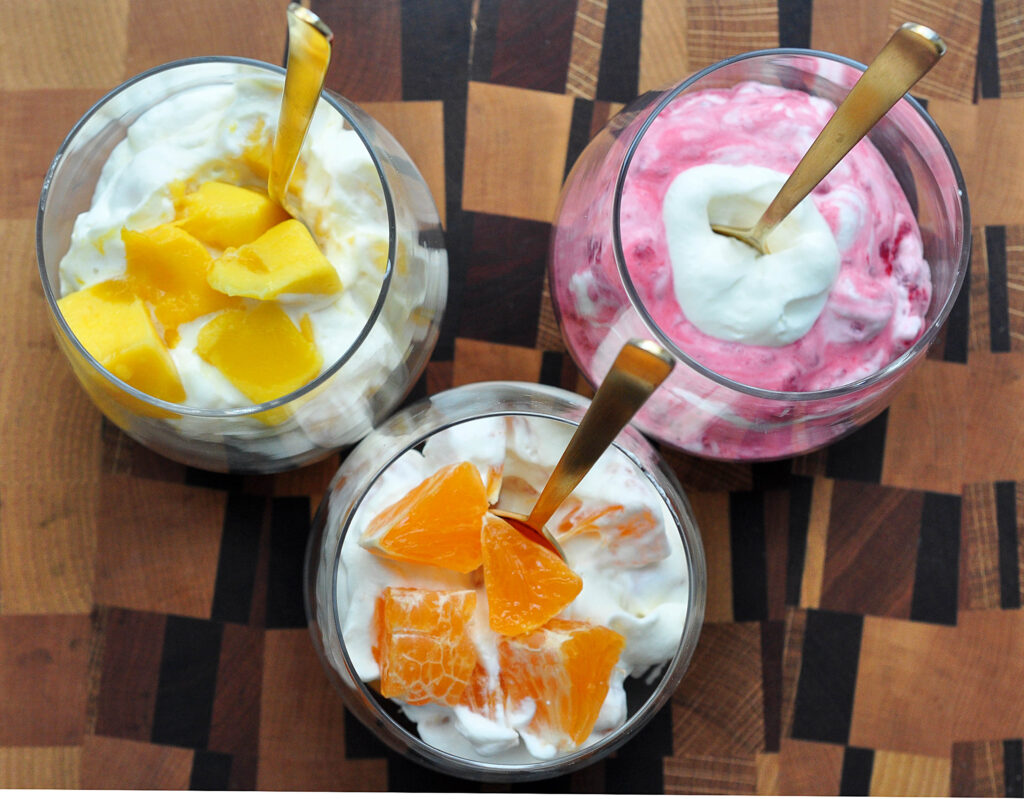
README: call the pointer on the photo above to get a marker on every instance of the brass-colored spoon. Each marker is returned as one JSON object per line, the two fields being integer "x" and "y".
{"x": 908, "y": 55}
{"x": 309, "y": 52}
{"x": 638, "y": 370}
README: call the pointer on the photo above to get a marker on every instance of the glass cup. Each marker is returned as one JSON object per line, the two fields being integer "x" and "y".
{"x": 698, "y": 410}
{"x": 388, "y": 342}
{"x": 329, "y": 570}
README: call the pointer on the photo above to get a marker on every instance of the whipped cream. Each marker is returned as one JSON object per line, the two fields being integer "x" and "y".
{"x": 638, "y": 589}
{"x": 726, "y": 288}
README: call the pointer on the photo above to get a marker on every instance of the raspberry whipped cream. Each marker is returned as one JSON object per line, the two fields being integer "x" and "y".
{"x": 844, "y": 289}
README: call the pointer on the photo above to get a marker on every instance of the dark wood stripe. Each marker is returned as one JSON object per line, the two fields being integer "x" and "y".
{"x": 435, "y": 65}
{"x": 505, "y": 278}
{"x": 360, "y": 743}
{"x": 534, "y": 42}
{"x": 823, "y": 707}
{"x": 957, "y": 329}
{"x": 551, "y": 366}
{"x": 749, "y": 564}
{"x": 998, "y": 291}
{"x": 485, "y": 38}
{"x": 132, "y": 647}
{"x": 799, "y": 520}
{"x": 855, "y": 779}
{"x": 768, "y": 475}
{"x": 773, "y": 636}
{"x": 859, "y": 456}
{"x": 216, "y": 480}
{"x": 1009, "y": 565}
{"x": 795, "y": 23}
{"x": 289, "y": 528}
{"x": 988, "y": 52}
{"x": 236, "y": 564}
{"x": 188, "y": 679}
{"x": 579, "y": 132}
{"x": 937, "y": 575}
{"x": 211, "y": 771}
{"x": 619, "y": 71}
{"x": 637, "y": 767}
{"x": 1013, "y": 767}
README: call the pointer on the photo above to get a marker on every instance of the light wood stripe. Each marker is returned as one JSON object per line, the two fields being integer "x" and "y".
{"x": 1010, "y": 49}
{"x": 980, "y": 547}
{"x": 817, "y": 541}
{"x": 900, "y": 774}
{"x": 958, "y": 23}
{"x": 585, "y": 57}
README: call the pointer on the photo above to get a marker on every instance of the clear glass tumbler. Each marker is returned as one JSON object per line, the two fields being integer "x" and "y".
{"x": 697, "y": 409}
{"x": 333, "y": 586}
{"x": 384, "y": 353}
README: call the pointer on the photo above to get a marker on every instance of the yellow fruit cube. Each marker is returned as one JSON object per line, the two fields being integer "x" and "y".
{"x": 114, "y": 326}
{"x": 260, "y": 351}
{"x": 167, "y": 269}
{"x": 223, "y": 215}
{"x": 284, "y": 260}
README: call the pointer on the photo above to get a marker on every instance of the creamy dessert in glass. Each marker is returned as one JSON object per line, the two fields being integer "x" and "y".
{"x": 781, "y": 353}
{"x": 202, "y": 318}
{"x": 545, "y": 666}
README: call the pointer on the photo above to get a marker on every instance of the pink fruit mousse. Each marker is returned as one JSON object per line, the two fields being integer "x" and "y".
{"x": 780, "y": 324}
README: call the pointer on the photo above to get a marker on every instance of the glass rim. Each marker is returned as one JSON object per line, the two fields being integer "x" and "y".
{"x": 923, "y": 341}
{"x": 190, "y": 410}
{"x": 673, "y": 670}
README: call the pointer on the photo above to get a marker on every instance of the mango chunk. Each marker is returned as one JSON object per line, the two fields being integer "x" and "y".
{"x": 222, "y": 215}
{"x": 284, "y": 260}
{"x": 115, "y": 327}
{"x": 260, "y": 351}
{"x": 258, "y": 152}
{"x": 167, "y": 269}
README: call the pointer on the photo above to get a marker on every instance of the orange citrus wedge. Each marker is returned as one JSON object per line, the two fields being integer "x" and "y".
{"x": 424, "y": 648}
{"x": 526, "y": 584}
{"x": 564, "y": 667}
{"x": 437, "y": 523}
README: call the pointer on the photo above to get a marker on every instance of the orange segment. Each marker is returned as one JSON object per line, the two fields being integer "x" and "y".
{"x": 424, "y": 647}
{"x": 483, "y": 694}
{"x": 631, "y": 536}
{"x": 526, "y": 583}
{"x": 565, "y": 668}
{"x": 437, "y": 523}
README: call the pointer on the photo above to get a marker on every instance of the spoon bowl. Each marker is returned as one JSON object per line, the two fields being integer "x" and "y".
{"x": 908, "y": 55}
{"x": 638, "y": 370}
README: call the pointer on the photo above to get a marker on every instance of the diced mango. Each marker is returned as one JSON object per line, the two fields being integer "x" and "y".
{"x": 115, "y": 327}
{"x": 167, "y": 269}
{"x": 222, "y": 215}
{"x": 258, "y": 152}
{"x": 284, "y": 260}
{"x": 260, "y": 351}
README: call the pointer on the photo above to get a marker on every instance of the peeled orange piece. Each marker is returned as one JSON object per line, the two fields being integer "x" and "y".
{"x": 424, "y": 647}
{"x": 437, "y": 523}
{"x": 630, "y": 536}
{"x": 526, "y": 583}
{"x": 564, "y": 667}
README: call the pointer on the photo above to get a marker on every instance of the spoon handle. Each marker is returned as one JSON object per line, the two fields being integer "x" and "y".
{"x": 911, "y": 51}
{"x": 638, "y": 370}
{"x": 309, "y": 51}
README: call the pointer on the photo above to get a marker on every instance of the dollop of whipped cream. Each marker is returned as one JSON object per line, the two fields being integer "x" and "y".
{"x": 726, "y": 288}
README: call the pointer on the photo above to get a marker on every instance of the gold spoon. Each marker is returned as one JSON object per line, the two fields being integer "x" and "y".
{"x": 638, "y": 370}
{"x": 906, "y": 58}
{"x": 309, "y": 52}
